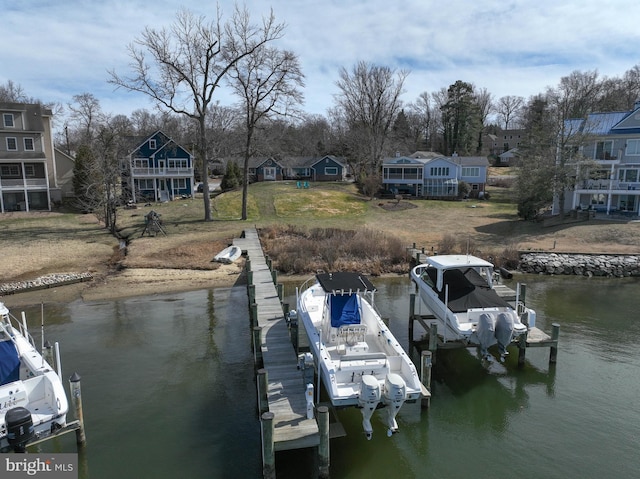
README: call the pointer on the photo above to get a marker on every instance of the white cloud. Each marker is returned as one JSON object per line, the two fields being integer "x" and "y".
{"x": 518, "y": 47}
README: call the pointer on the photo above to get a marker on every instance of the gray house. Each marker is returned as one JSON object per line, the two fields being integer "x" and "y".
{"x": 432, "y": 176}
{"x": 613, "y": 141}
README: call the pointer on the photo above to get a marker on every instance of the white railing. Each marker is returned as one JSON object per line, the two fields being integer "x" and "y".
{"x": 21, "y": 183}
{"x": 162, "y": 171}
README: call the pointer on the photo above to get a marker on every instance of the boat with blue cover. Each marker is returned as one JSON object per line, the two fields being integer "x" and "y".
{"x": 358, "y": 360}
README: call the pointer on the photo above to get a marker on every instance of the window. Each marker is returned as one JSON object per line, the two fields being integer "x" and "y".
{"x": 10, "y": 170}
{"x": 604, "y": 150}
{"x": 628, "y": 176}
{"x": 145, "y": 184}
{"x": 141, "y": 163}
{"x": 180, "y": 183}
{"x": 8, "y": 120}
{"x": 439, "y": 171}
{"x": 28, "y": 144}
{"x": 29, "y": 171}
{"x": 471, "y": 171}
{"x": 330, "y": 170}
{"x": 633, "y": 147}
{"x": 12, "y": 144}
{"x": 183, "y": 163}
{"x": 152, "y": 144}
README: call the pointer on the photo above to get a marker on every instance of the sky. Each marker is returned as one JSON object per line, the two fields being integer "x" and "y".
{"x": 57, "y": 49}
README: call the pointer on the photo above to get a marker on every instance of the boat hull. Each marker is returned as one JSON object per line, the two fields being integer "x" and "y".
{"x": 343, "y": 355}
{"x": 470, "y": 303}
{"x": 32, "y": 384}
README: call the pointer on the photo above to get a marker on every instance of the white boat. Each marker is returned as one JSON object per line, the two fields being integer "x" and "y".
{"x": 460, "y": 292}
{"x": 33, "y": 403}
{"x": 228, "y": 255}
{"x": 359, "y": 361}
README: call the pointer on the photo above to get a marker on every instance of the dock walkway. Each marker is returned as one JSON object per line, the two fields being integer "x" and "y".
{"x": 285, "y": 386}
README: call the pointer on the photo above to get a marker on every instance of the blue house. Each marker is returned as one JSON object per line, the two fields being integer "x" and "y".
{"x": 159, "y": 170}
{"x": 430, "y": 175}
{"x": 327, "y": 168}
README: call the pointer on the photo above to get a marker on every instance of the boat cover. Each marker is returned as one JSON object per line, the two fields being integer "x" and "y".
{"x": 344, "y": 282}
{"x": 467, "y": 289}
{"x": 344, "y": 310}
{"x": 9, "y": 363}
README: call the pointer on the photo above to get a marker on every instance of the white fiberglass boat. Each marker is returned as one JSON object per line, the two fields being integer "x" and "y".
{"x": 460, "y": 292}
{"x": 228, "y": 255}
{"x": 33, "y": 403}
{"x": 358, "y": 360}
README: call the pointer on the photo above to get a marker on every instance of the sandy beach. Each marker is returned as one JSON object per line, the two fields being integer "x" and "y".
{"x": 131, "y": 282}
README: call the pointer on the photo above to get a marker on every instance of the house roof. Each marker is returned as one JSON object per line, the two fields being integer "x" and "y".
{"x": 32, "y": 117}
{"x": 425, "y": 155}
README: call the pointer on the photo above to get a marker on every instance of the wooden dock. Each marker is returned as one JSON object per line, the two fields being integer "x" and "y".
{"x": 285, "y": 388}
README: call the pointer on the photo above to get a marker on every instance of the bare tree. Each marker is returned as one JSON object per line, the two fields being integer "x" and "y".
{"x": 12, "y": 92}
{"x": 267, "y": 83}
{"x": 188, "y": 63}
{"x": 508, "y": 108}
{"x": 86, "y": 114}
{"x": 369, "y": 99}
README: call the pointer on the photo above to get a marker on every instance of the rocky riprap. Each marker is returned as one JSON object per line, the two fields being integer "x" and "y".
{"x": 580, "y": 264}
{"x": 48, "y": 281}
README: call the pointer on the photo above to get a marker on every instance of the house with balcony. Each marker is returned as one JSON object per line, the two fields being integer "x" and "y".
{"x": 612, "y": 140}
{"x": 27, "y": 168}
{"x": 430, "y": 175}
{"x": 158, "y": 169}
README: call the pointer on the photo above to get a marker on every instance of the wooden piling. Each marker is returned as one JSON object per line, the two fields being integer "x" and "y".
{"x": 433, "y": 339}
{"x": 263, "y": 385}
{"x": 247, "y": 264}
{"x": 522, "y": 349}
{"x": 268, "y": 449}
{"x": 412, "y": 312}
{"x": 252, "y": 293}
{"x": 76, "y": 400}
{"x": 257, "y": 346}
{"x": 280, "y": 290}
{"x": 323, "y": 447}
{"x": 274, "y": 276}
{"x": 553, "y": 350}
{"x": 254, "y": 314}
{"x": 250, "y": 277}
{"x": 425, "y": 374}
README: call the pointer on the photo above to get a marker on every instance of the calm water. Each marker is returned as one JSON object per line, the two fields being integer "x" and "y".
{"x": 168, "y": 392}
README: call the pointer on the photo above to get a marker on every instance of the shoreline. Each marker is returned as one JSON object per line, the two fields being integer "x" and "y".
{"x": 128, "y": 283}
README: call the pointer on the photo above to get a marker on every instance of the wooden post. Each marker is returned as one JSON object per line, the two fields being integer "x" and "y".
{"x": 252, "y": 293}
{"x": 268, "y": 261}
{"x": 433, "y": 338}
{"x": 323, "y": 447}
{"x": 249, "y": 277}
{"x": 425, "y": 373}
{"x": 247, "y": 264}
{"x": 293, "y": 332}
{"x": 274, "y": 276}
{"x": 76, "y": 400}
{"x": 279, "y": 288}
{"x": 412, "y": 312}
{"x": 257, "y": 346}
{"x": 263, "y": 386}
{"x": 553, "y": 350}
{"x": 254, "y": 314}
{"x": 268, "y": 450}
{"x": 522, "y": 349}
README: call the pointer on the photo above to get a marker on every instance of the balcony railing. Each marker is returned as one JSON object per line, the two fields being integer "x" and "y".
{"x": 22, "y": 183}
{"x": 162, "y": 172}
{"x": 610, "y": 185}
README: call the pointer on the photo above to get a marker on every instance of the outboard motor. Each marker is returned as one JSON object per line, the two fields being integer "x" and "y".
{"x": 504, "y": 333}
{"x": 19, "y": 428}
{"x": 486, "y": 333}
{"x": 368, "y": 401}
{"x": 395, "y": 393}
